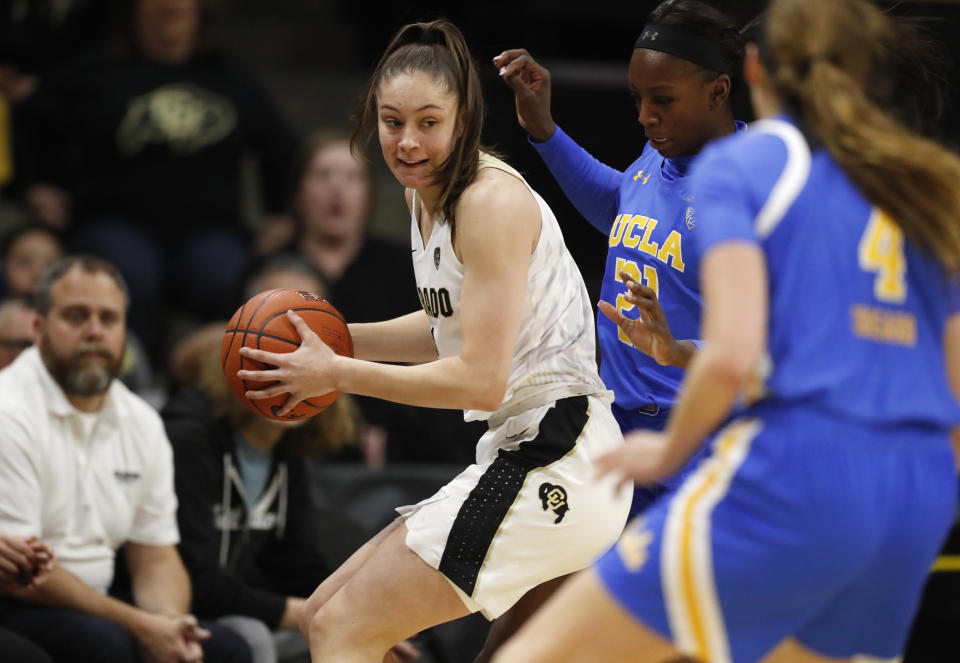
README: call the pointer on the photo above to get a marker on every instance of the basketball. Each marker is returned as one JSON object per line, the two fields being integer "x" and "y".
{"x": 262, "y": 323}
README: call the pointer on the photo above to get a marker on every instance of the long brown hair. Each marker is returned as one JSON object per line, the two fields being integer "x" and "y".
{"x": 831, "y": 63}
{"x": 319, "y": 437}
{"x": 438, "y": 49}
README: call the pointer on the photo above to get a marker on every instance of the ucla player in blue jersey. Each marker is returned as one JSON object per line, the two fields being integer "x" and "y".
{"x": 830, "y": 240}
{"x": 684, "y": 67}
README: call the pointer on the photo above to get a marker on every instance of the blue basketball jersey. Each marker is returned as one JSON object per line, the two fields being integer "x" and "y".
{"x": 649, "y": 239}
{"x": 852, "y": 302}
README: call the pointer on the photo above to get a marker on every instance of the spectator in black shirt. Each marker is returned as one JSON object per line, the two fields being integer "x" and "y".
{"x": 137, "y": 149}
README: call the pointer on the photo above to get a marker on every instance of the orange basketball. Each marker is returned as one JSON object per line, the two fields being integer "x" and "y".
{"x": 262, "y": 323}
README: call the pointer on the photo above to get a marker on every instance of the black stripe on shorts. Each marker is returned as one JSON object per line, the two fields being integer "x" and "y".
{"x": 483, "y": 511}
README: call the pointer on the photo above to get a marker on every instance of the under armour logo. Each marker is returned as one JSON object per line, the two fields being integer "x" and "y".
{"x": 649, "y": 35}
{"x": 554, "y": 498}
{"x": 639, "y": 176}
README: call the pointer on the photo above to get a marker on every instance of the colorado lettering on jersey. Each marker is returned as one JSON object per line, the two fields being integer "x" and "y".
{"x": 627, "y": 229}
{"x": 435, "y": 302}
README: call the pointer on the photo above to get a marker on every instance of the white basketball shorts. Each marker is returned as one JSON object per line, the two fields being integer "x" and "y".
{"x": 532, "y": 511}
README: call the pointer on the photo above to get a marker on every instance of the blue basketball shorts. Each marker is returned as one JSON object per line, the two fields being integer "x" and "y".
{"x": 797, "y": 525}
{"x": 645, "y": 496}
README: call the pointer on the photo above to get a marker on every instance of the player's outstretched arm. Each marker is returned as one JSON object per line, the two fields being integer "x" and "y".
{"x": 593, "y": 187}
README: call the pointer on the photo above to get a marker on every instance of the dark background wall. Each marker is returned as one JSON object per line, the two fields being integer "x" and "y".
{"x": 316, "y": 55}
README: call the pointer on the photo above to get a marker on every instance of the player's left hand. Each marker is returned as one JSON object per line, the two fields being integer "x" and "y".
{"x": 303, "y": 373}
{"x": 650, "y": 333}
{"x": 644, "y": 458}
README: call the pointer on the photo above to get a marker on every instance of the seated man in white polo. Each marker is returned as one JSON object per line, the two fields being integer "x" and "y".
{"x": 85, "y": 466}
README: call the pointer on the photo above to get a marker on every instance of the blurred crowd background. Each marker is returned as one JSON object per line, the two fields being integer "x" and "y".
{"x": 216, "y": 212}
{"x": 202, "y": 147}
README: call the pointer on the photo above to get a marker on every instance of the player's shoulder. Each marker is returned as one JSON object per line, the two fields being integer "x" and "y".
{"x": 769, "y": 156}
{"x": 495, "y": 188}
{"x": 764, "y": 146}
{"x": 497, "y": 204}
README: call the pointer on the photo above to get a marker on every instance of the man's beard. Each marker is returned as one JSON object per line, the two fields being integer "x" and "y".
{"x": 80, "y": 374}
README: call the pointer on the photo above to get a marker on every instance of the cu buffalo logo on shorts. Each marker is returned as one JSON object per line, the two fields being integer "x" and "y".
{"x": 554, "y": 498}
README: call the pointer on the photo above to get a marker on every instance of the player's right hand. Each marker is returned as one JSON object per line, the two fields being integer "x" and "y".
{"x": 530, "y": 82}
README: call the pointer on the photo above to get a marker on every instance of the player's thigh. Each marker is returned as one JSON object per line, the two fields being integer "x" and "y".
{"x": 392, "y": 596}
{"x": 582, "y": 623}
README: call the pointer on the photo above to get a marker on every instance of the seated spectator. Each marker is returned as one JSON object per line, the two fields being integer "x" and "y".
{"x": 138, "y": 150}
{"x": 17, "y": 327}
{"x": 331, "y": 206}
{"x": 245, "y": 511}
{"x": 86, "y": 467}
{"x": 27, "y": 252}
{"x": 24, "y": 562}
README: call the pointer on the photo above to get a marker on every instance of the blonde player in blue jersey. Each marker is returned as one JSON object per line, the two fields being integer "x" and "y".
{"x": 506, "y": 334}
{"x": 685, "y": 65}
{"x": 830, "y": 239}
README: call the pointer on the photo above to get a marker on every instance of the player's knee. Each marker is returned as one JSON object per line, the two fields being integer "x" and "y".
{"x": 333, "y": 626}
{"x": 327, "y": 627}
{"x": 307, "y": 612}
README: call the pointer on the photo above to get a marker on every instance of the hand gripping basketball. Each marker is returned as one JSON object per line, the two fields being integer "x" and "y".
{"x": 278, "y": 352}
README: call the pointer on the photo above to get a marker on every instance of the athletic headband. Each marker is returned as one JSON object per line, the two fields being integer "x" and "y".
{"x": 688, "y": 46}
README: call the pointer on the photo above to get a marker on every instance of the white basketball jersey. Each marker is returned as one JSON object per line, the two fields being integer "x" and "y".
{"x": 555, "y": 353}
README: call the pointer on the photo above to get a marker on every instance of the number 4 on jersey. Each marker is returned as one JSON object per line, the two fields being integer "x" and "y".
{"x": 881, "y": 251}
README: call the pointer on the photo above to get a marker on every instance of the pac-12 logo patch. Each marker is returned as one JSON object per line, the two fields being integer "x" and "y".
{"x": 554, "y": 498}
{"x": 690, "y": 216}
{"x": 436, "y": 257}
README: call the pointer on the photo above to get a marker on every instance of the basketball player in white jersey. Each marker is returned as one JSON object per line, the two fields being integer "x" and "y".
{"x": 505, "y": 334}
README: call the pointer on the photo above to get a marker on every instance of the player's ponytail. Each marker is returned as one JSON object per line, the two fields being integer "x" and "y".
{"x": 833, "y": 65}
{"x": 439, "y": 49}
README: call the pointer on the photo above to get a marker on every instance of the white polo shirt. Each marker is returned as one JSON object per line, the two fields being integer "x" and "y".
{"x": 83, "y": 483}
